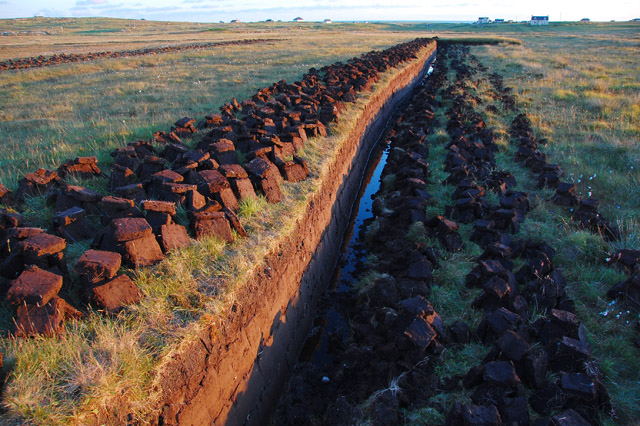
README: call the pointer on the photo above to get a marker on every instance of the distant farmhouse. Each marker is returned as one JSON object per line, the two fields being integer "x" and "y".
{"x": 539, "y": 20}
{"x": 483, "y": 20}
{"x": 635, "y": 20}
{"x": 298, "y": 19}
{"x": 327, "y": 21}
{"x": 498, "y": 21}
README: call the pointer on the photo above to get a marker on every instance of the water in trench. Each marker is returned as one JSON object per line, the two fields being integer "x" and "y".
{"x": 329, "y": 323}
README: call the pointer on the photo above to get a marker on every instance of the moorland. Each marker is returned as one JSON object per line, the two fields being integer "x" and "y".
{"x": 577, "y": 82}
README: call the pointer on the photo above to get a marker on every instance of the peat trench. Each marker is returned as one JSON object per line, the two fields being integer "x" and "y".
{"x": 135, "y": 225}
{"x": 373, "y": 354}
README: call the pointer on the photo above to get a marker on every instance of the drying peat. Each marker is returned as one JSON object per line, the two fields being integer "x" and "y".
{"x": 65, "y": 58}
{"x": 386, "y": 362}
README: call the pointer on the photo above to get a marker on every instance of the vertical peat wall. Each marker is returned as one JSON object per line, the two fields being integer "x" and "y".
{"x": 232, "y": 374}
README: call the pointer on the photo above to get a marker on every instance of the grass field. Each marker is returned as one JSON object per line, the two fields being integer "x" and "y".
{"x": 578, "y": 83}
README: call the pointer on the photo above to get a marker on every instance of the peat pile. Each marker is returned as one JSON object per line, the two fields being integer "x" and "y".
{"x": 136, "y": 223}
{"x": 628, "y": 290}
{"x": 548, "y": 175}
{"x": 65, "y": 58}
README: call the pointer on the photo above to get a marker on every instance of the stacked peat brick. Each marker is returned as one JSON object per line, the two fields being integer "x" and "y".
{"x": 549, "y": 175}
{"x": 628, "y": 290}
{"x": 64, "y": 58}
{"x": 148, "y": 180}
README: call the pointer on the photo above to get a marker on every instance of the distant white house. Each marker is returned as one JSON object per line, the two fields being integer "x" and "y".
{"x": 539, "y": 20}
{"x": 483, "y": 20}
{"x": 327, "y": 21}
{"x": 298, "y": 19}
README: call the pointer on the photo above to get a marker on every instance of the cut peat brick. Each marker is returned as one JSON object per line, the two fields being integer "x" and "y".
{"x": 34, "y": 286}
{"x": 42, "y": 244}
{"x": 212, "y": 223}
{"x": 235, "y": 222}
{"x": 22, "y": 233}
{"x": 127, "y": 229}
{"x": 46, "y": 320}
{"x": 243, "y": 188}
{"x": 271, "y": 190}
{"x": 173, "y": 236}
{"x": 143, "y": 251}
{"x": 116, "y": 294}
{"x": 72, "y": 224}
{"x": 159, "y": 206}
{"x": 98, "y": 265}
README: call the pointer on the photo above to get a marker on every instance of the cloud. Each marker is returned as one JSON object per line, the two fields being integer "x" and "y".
{"x": 90, "y": 3}
{"x": 51, "y": 13}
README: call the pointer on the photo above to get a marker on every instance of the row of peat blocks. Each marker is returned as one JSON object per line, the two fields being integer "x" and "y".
{"x": 135, "y": 224}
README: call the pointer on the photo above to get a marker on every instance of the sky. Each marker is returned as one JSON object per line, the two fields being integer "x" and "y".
{"x": 318, "y": 10}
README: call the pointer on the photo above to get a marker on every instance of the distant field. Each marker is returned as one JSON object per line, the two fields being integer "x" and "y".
{"x": 578, "y": 83}
{"x": 54, "y": 113}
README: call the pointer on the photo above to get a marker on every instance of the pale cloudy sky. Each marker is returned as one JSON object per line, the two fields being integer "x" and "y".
{"x": 315, "y": 10}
